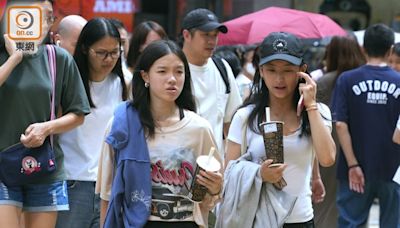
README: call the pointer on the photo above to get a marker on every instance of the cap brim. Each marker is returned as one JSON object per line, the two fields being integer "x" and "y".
{"x": 213, "y": 25}
{"x": 289, "y": 58}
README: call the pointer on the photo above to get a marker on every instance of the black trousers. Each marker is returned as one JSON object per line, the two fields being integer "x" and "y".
{"x": 309, "y": 224}
{"x": 154, "y": 224}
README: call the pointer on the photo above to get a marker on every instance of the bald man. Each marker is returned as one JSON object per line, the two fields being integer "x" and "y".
{"x": 68, "y": 32}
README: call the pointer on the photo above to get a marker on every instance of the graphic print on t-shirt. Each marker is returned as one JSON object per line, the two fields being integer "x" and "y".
{"x": 377, "y": 91}
{"x": 172, "y": 174}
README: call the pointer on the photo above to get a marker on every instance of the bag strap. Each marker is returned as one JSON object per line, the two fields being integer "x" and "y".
{"x": 51, "y": 54}
{"x": 222, "y": 70}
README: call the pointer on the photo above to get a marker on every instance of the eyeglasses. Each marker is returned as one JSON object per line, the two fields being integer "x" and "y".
{"x": 104, "y": 54}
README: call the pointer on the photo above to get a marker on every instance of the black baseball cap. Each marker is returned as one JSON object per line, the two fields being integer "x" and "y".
{"x": 204, "y": 20}
{"x": 281, "y": 46}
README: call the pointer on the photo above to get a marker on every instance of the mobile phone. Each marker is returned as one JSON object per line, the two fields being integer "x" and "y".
{"x": 300, "y": 103}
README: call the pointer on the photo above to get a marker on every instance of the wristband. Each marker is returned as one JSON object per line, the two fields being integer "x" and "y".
{"x": 354, "y": 166}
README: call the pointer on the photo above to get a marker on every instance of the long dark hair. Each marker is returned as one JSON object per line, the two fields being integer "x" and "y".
{"x": 141, "y": 96}
{"x": 259, "y": 97}
{"x": 139, "y": 38}
{"x": 95, "y": 30}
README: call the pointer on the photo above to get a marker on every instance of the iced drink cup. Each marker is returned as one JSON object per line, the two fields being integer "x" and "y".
{"x": 198, "y": 191}
{"x": 273, "y": 143}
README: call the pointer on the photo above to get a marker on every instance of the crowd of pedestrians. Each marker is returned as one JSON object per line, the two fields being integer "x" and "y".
{"x": 133, "y": 115}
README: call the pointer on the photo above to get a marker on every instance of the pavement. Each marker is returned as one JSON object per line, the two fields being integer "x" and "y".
{"x": 373, "y": 221}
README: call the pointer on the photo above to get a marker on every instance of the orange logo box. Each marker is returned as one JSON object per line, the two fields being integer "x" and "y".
{"x": 24, "y": 22}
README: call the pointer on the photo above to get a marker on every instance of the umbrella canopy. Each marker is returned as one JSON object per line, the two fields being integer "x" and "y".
{"x": 252, "y": 28}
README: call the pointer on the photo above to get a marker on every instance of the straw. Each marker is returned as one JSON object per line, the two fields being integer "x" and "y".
{"x": 267, "y": 115}
{"x": 210, "y": 155}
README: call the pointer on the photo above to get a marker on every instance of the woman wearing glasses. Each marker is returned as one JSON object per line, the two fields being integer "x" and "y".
{"x": 98, "y": 56}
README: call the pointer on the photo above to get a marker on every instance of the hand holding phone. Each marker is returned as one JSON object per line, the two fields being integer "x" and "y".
{"x": 300, "y": 103}
{"x": 307, "y": 89}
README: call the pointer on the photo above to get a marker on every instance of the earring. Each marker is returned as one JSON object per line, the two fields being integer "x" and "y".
{"x": 146, "y": 84}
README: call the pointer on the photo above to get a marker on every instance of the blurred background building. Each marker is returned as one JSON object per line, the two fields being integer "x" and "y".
{"x": 350, "y": 14}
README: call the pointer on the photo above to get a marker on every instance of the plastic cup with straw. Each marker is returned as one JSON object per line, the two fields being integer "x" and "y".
{"x": 273, "y": 143}
{"x": 206, "y": 163}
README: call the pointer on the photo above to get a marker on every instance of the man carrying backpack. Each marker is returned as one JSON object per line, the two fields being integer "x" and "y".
{"x": 216, "y": 93}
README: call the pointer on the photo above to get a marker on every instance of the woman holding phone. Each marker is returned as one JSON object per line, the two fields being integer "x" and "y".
{"x": 280, "y": 82}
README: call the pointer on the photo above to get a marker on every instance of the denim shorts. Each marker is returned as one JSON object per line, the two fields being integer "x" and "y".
{"x": 36, "y": 197}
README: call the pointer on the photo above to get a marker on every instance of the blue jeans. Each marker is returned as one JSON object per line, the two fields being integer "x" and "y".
{"x": 354, "y": 207}
{"x": 84, "y": 206}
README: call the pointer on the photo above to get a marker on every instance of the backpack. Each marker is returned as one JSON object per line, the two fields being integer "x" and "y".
{"x": 222, "y": 71}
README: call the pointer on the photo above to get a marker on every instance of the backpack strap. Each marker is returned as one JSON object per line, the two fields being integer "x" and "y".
{"x": 222, "y": 71}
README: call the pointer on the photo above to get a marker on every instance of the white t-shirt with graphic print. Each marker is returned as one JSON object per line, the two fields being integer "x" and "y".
{"x": 173, "y": 152}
